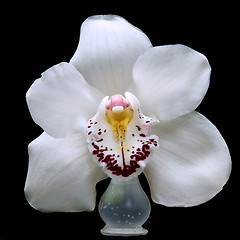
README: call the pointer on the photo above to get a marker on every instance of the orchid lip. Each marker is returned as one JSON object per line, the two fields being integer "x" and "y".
{"x": 118, "y": 137}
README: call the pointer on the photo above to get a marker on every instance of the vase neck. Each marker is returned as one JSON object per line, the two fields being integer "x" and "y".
{"x": 134, "y": 180}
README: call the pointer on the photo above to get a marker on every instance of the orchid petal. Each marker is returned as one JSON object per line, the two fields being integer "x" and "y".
{"x": 192, "y": 163}
{"x": 170, "y": 80}
{"x": 107, "y": 51}
{"x": 61, "y": 101}
{"x": 61, "y": 175}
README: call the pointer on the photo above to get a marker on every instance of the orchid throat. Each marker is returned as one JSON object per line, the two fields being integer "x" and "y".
{"x": 118, "y": 137}
{"x": 119, "y": 113}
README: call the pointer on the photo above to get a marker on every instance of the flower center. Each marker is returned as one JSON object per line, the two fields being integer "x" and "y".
{"x": 119, "y": 137}
{"x": 119, "y": 113}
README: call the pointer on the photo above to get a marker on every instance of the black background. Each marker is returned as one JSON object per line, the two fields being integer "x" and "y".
{"x": 39, "y": 35}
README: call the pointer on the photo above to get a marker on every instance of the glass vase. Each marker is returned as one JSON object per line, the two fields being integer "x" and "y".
{"x": 124, "y": 207}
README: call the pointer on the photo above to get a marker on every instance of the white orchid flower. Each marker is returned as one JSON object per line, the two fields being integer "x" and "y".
{"x": 119, "y": 108}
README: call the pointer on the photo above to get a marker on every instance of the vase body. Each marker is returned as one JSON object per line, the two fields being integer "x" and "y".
{"x": 124, "y": 207}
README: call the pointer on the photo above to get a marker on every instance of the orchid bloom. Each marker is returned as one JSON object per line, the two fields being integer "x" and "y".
{"x": 121, "y": 107}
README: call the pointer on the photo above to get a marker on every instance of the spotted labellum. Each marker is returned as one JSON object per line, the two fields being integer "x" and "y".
{"x": 119, "y": 108}
{"x": 125, "y": 153}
